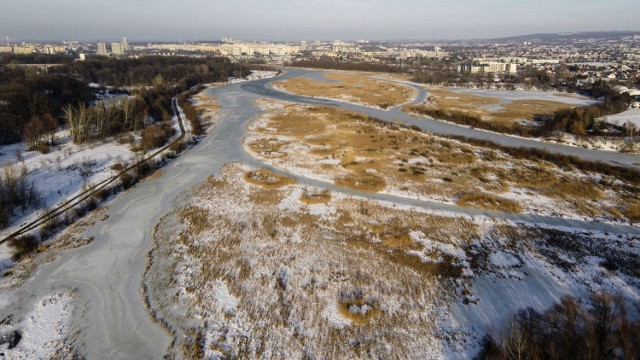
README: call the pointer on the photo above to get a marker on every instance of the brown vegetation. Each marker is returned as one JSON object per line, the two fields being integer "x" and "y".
{"x": 352, "y": 87}
{"x": 157, "y": 135}
{"x": 570, "y": 330}
{"x": 267, "y": 179}
{"x": 358, "y": 308}
{"x": 489, "y": 202}
{"x": 365, "y": 154}
{"x": 315, "y": 197}
{"x": 349, "y": 277}
{"x": 190, "y": 113}
{"x": 23, "y": 246}
{"x": 632, "y": 212}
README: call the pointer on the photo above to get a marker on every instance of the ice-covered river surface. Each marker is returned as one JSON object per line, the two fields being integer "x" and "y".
{"x": 107, "y": 273}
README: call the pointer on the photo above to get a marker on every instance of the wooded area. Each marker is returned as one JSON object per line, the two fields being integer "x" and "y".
{"x": 35, "y": 101}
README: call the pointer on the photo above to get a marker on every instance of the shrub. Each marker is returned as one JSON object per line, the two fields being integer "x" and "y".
{"x": 569, "y": 331}
{"x": 177, "y": 147}
{"x": 23, "y": 245}
{"x": 49, "y": 227}
{"x": 118, "y": 167}
{"x": 127, "y": 180}
{"x": 42, "y": 148}
{"x": 632, "y": 212}
{"x": 17, "y": 191}
{"x": 143, "y": 169}
{"x": 155, "y": 136}
{"x": 90, "y": 203}
{"x": 103, "y": 193}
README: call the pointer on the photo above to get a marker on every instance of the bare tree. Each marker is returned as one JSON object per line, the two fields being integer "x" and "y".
{"x": 631, "y": 129}
{"x": 33, "y": 131}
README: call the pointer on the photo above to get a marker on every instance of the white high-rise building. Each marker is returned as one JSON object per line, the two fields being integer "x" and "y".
{"x": 125, "y": 43}
{"x": 117, "y": 49}
{"x": 102, "y": 49}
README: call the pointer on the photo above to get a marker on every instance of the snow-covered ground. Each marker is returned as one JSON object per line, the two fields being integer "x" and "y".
{"x": 506, "y": 96}
{"x": 43, "y": 330}
{"x": 64, "y": 172}
{"x": 631, "y": 116}
{"x": 256, "y": 75}
{"x": 259, "y": 279}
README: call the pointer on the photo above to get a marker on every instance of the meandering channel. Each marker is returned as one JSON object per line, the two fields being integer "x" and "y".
{"x": 108, "y": 271}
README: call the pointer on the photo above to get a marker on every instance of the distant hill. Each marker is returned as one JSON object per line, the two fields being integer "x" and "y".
{"x": 570, "y": 36}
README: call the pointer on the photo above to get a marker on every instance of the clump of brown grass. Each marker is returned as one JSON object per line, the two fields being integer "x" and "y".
{"x": 400, "y": 240}
{"x": 196, "y": 217}
{"x": 533, "y": 178}
{"x": 315, "y": 197}
{"x": 572, "y": 190}
{"x": 269, "y": 147}
{"x": 270, "y": 197}
{"x": 358, "y": 308}
{"x": 267, "y": 179}
{"x": 632, "y": 212}
{"x": 456, "y": 158}
{"x": 361, "y": 182}
{"x": 488, "y": 201}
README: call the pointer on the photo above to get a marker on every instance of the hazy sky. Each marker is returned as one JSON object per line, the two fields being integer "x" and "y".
{"x": 306, "y": 19}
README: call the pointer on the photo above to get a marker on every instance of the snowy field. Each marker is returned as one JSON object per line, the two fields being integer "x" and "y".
{"x": 44, "y": 330}
{"x": 506, "y": 96}
{"x": 316, "y": 273}
{"x": 631, "y": 116}
{"x": 65, "y": 171}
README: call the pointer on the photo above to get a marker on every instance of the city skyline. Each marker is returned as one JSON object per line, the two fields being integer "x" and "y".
{"x": 290, "y": 20}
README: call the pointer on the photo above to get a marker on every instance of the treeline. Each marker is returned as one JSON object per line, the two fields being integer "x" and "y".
{"x": 17, "y": 193}
{"x": 31, "y": 98}
{"x": 97, "y": 122}
{"x": 581, "y": 120}
{"x": 337, "y": 64}
{"x": 190, "y": 112}
{"x": 445, "y": 72}
{"x": 568, "y": 162}
{"x": 569, "y": 330}
{"x": 155, "y": 70}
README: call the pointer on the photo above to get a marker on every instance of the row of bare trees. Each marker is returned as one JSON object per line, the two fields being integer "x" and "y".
{"x": 17, "y": 193}
{"x": 97, "y": 122}
{"x": 40, "y": 130}
{"x": 570, "y": 330}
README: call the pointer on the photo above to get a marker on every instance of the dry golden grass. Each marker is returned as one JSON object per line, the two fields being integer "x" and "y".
{"x": 508, "y": 113}
{"x": 196, "y": 218}
{"x": 526, "y": 109}
{"x": 632, "y": 212}
{"x": 362, "y": 154}
{"x": 294, "y": 273}
{"x": 315, "y": 197}
{"x": 451, "y": 100}
{"x": 267, "y": 179}
{"x": 352, "y": 87}
{"x": 456, "y": 158}
{"x": 208, "y": 108}
{"x": 571, "y": 190}
{"x": 488, "y": 202}
{"x": 361, "y": 182}
{"x": 271, "y": 197}
{"x": 269, "y": 148}
{"x": 358, "y": 309}
{"x": 278, "y": 289}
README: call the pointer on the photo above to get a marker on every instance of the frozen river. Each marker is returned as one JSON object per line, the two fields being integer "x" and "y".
{"x": 108, "y": 272}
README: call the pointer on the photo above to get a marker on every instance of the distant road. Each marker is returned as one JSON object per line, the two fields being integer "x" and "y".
{"x": 264, "y": 88}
